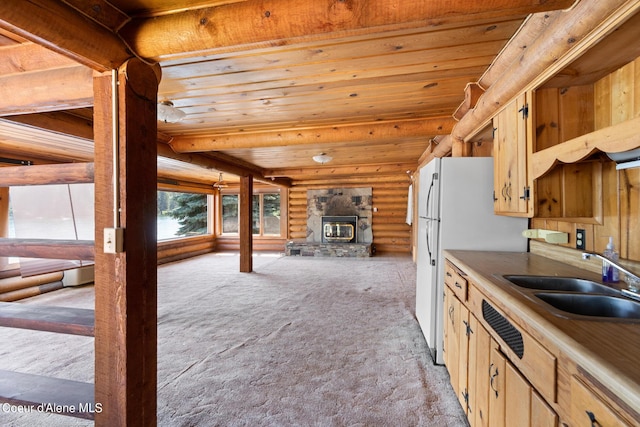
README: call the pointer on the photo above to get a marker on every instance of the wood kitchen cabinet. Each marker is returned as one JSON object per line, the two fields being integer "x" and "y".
{"x": 529, "y": 367}
{"x": 511, "y": 185}
{"x": 490, "y": 388}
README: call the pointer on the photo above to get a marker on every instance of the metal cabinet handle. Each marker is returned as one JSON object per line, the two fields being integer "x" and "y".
{"x": 592, "y": 418}
{"x": 491, "y": 377}
{"x": 449, "y": 274}
{"x": 458, "y": 285}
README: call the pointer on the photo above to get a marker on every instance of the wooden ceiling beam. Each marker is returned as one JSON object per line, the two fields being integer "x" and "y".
{"x": 30, "y": 57}
{"x": 209, "y": 162}
{"x": 256, "y": 23}
{"x": 378, "y": 132}
{"x": 76, "y": 126}
{"x": 61, "y": 28}
{"x": 64, "y": 173}
{"x": 51, "y": 90}
{"x": 340, "y": 171}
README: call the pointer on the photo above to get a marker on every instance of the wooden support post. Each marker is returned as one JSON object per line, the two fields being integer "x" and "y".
{"x": 246, "y": 224}
{"x": 4, "y": 220}
{"x": 126, "y": 282}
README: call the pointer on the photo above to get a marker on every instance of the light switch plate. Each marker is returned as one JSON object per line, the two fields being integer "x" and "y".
{"x": 113, "y": 240}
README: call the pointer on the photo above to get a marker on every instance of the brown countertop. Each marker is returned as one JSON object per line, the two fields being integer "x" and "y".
{"x": 608, "y": 349}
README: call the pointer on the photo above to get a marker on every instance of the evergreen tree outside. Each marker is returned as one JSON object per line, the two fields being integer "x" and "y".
{"x": 191, "y": 212}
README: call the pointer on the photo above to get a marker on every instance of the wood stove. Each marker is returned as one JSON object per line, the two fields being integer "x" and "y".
{"x": 339, "y": 229}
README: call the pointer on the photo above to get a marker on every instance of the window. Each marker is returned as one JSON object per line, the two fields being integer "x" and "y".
{"x": 181, "y": 214}
{"x": 265, "y": 218}
{"x": 230, "y": 211}
{"x": 271, "y": 214}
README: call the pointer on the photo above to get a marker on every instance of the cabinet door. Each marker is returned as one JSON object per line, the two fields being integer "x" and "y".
{"x": 587, "y": 409}
{"x": 542, "y": 415}
{"x": 517, "y": 398}
{"x": 464, "y": 332}
{"x": 451, "y": 321}
{"x": 497, "y": 381}
{"x": 478, "y": 382}
{"x": 511, "y": 188}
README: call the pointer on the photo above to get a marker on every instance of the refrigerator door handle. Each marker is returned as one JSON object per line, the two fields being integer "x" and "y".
{"x": 433, "y": 178}
{"x": 431, "y": 260}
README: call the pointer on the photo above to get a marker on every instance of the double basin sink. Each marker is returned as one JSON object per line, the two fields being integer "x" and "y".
{"x": 579, "y": 296}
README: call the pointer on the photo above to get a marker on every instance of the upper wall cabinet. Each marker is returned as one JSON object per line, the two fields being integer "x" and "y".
{"x": 510, "y": 146}
{"x": 576, "y": 116}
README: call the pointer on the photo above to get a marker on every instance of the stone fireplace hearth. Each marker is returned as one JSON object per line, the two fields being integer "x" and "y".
{"x": 338, "y": 224}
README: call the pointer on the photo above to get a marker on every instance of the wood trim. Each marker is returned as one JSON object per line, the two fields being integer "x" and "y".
{"x": 613, "y": 139}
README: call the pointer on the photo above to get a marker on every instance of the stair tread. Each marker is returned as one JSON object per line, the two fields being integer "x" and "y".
{"x": 66, "y": 320}
{"x": 39, "y": 393}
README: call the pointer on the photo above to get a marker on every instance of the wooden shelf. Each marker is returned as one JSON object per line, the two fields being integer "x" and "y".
{"x": 66, "y": 320}
{"x": 64, "y": 397}
{"x": 613, "y": 139}
{"x": 48, "y": 248}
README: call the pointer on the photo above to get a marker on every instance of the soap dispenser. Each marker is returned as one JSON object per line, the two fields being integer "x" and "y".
{"x": 609, "y": 272}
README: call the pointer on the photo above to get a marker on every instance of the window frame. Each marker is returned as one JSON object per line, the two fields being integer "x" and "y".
{"x": 256, "y": 192}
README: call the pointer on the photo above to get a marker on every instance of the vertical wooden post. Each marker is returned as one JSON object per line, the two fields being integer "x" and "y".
{"x": 246, "y": 225}
{"x": 126, "y": 282}
{"x": 4, "y": 219}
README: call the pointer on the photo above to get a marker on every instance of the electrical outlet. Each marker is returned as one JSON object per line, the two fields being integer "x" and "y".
{"x": 113, "y": 240}
{"x": 581, "y": 239}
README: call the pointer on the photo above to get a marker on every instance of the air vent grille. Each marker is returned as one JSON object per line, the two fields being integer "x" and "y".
{"x": 504, "y": 328}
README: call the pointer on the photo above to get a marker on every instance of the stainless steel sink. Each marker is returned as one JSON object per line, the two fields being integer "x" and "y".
{"x": 554, "y": 283}
{"x": 592, "y": 305}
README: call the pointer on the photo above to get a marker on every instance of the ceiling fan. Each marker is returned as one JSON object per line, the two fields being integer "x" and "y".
{"x": 220, "y": 184}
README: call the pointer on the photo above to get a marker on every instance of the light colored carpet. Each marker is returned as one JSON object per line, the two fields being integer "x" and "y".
{"x": 298, "y": 342}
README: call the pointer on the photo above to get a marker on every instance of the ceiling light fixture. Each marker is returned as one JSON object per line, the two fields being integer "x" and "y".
{"x": 168, "y": 113}
{"x": 322, "y": 158}
{"x": 220, "y": 184}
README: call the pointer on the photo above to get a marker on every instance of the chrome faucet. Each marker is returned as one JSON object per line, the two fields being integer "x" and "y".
{"x": 633, "y": 279}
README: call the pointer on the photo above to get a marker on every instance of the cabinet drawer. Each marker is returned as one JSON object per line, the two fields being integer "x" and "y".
{"x": 587, "y": 409}
{"x": 455, "y": 281}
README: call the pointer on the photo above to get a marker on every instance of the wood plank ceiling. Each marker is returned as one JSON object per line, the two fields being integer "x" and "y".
{"x": 264, "y": 85}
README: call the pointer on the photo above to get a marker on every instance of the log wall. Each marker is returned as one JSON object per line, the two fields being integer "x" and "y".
{"x": 616, "y": 99}
{"x": 174, "y": 250}
{"x": 390, "y": 196}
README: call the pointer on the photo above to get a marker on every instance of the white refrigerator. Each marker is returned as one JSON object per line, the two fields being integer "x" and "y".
{"x": 455, "y": 211}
